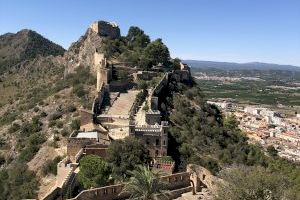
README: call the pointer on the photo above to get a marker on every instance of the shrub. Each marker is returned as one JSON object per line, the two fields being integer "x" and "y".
{"x": 71, "y": 108}
{"x": 14, "y": 127}
{"x": 36, "y": 109}
{"x": 50, "y": 166}
{"x": 56, "y": 115}
{"x": 75, "y": 124}
{"x": 52, "y": 123}
{"x": 64, "y": 132}
{"x": 2, "y": 159}
{"x": 59, "y": 124}
{"x": 43, "y": 114}
{"x": 79, "y": 91}
{"x": 56, "y": 138}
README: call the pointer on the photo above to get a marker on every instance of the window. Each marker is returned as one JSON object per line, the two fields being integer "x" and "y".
{"x": 156, "y": 153}
{"x": 147, "y": 141}
{"x": 157, "y": 142}
{"x": 164, "y": 142}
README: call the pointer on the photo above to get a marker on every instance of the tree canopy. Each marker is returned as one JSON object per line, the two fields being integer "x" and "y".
{"x": 136, "y": 49}
{"x": 145, "y": 184}
{"x": 124, "y": 155}
{"x": 94, "y": 171}
{"x": 252, "y": 183}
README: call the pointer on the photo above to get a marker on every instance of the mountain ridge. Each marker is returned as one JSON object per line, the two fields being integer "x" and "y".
{"x": 25, "y": 45}
{"x": 240, "y": 66}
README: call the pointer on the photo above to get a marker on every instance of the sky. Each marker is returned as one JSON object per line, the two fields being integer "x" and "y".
{"x": 215, "y": 30}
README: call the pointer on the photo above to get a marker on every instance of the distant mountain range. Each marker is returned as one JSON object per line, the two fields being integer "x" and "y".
{"x": 240, "y": 66}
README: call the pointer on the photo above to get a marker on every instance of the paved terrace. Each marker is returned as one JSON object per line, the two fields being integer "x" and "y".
{"x": 123, "y": 103}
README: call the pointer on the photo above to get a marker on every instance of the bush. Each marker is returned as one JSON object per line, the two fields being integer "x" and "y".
{"x": 52, "y": 123}
{"x": 36, "y": 109}
{"x": 59, "y": 124}
{"x": 2, "y": 159}
{"x": 79, "y": 91}
{"x": 64, "y": 132}
{"x": 14, "y": 127}
{"x": 75, "y": 124}
{"x": 71, "y": 108}
{"x": 56, "y": 115}
{"x": 43, "y": 114}
{"x": 50, "y": 166}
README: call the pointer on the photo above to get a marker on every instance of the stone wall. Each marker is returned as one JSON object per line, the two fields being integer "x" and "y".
{"x": 202, "y": 178}
{"x": 102, "y": 152}
{"x": 76, "y": 144}
{"x": 106, "y": 29}
{"x": 144, "y": 75}
{"x": 177, "y": 183}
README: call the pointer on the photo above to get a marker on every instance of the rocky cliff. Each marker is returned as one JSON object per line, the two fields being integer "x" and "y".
{"x": 81, "y": 53}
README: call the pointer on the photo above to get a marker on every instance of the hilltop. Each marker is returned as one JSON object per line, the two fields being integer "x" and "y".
{"x": 25, "y": 45}
{"x": 58, "y": 106}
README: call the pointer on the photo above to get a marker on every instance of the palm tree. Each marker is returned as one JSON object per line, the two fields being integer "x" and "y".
{"x": 145, "y": 184}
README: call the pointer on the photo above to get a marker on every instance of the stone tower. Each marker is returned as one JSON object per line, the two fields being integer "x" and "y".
{"x": 104, "y": 72}
{"x": 106, "y": 29}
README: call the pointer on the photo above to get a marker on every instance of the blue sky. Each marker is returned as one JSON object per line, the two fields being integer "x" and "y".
{"x": 218, "y": 30}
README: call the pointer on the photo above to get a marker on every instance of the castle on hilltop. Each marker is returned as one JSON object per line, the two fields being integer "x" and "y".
{"x": 121, "y": 110}
{"x": 106, "y": 29}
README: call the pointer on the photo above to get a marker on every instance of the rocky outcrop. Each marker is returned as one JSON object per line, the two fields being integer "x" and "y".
{"x": 81, "y": 53}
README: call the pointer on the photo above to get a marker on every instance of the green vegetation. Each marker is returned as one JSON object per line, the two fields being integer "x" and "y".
{"x": 134, "y": 153}
{"x": 30, "y": 139}
{"x": 205, "y": 138}
{"x": 137, "y": 49}
{"x": 17, "y": 183}
{"x": 252, "y": 183}
{"x": 145, "y": 184}
{"x": 250, "y": 92}
{"x": 94, "y": 171}
{"x": 24, "y": 45}
{"x": 50, "y": 166}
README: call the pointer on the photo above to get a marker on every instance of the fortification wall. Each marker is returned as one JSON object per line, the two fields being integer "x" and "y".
{"x": 99, "y": 99}
{"x": 102, "y": 152}
{"x": 76, "y": 144}
{"x": 202, "y": 178}
{"x": 106, "y": 29}
{"x": 178, "y": 183}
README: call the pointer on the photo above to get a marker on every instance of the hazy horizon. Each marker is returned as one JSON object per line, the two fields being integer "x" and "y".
{"x": 236, "y": 31}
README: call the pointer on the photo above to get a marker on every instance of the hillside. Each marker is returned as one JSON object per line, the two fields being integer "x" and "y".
{"x": 25, "y": 45}
{"x": 240, "y": 66}
{"x": 40, "y": 99}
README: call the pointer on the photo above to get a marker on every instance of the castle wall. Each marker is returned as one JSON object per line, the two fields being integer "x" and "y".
{"x": 76, "y": 144}
{"x": 101, "y": 152}
{"x": 178, "y": 183}
{"x": 106, "y": 29}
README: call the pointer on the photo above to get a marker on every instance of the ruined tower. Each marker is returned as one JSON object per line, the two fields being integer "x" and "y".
{"x": 104, "y": 71}
{"x": 106, "y": 29}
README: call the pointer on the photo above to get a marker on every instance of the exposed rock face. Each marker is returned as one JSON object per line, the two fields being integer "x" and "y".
{"x": 81, "y": 53}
